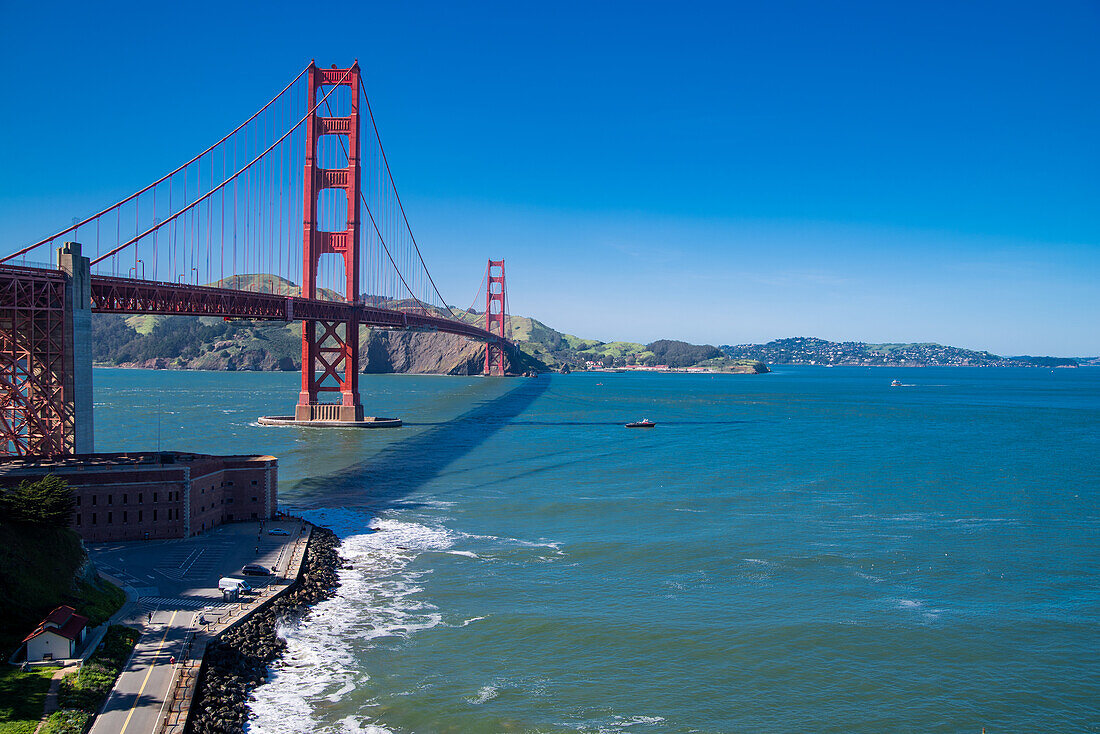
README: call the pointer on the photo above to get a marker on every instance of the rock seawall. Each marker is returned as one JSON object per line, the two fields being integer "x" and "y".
{"x": 237, "y": 662}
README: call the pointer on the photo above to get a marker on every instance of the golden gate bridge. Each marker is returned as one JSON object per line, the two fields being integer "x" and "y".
{"x": 219, "y": 236}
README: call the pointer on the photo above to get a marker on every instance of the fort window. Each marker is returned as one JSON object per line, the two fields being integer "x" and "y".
{"x": 125, "y": 516}
{"x": 139, "y": 515}
{"x": 125, "y": 499}
{"x": 154, "y": 496}
{"x": 141, "y": 498}
{"x": 110, "y": 518}
{"x": 94, "y": 498}
{"x": 78, "y": 519}
{"x": 93, "y": 519}
{"x": 154, "y": 515}
{"x": 255, "y": 500}
{"x": 110, "y": 499}
{"x": 78, "y": 500}
{"x": 253, "y": 482}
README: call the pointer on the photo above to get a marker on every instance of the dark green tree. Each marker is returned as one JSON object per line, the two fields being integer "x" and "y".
{"x": 47, "y": 502}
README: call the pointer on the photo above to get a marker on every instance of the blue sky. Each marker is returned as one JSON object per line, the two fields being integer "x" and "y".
{"x": 722, "y": 173}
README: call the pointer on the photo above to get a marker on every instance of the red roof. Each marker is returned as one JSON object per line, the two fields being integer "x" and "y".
{"x": 62, "y": 621}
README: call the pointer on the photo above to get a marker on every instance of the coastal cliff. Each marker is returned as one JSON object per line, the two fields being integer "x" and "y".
{"x": 205, "y": 343}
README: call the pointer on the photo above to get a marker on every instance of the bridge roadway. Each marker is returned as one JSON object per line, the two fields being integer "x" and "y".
{"x": 135, "y": 296}
{"x": 177, "y": 581}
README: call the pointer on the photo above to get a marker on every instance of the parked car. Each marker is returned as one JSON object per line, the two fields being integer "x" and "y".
{"x": 278, "y": 531}
{"x": 255, "y": 569}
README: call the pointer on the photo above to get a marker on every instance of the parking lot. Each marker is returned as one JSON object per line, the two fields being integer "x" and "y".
{"x": 187, "y": 570}
{"x": 176, "y": 581}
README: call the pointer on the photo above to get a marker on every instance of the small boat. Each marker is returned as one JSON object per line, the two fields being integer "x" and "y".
{"x": 895, "y": 383}
{"x": 643, "y": 423}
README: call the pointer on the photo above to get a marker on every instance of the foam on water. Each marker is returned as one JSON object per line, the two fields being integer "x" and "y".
{"x": 485, "y": 693}
{"x": 471, "y": 620}
{"x": 375, "y": 599}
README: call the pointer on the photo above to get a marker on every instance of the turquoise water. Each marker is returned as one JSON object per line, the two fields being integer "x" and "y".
{"x": 809, "y": 550}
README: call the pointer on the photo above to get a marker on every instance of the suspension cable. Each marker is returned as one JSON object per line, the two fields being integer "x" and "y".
{"x": 389, "y": 173}
{"x": 158, "y": 181}
{"x": 217, "y": 188}
{"x": 381, "y": 239}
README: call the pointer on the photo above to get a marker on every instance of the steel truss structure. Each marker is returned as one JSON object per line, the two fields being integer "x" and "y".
{"x": 33, "y": 412}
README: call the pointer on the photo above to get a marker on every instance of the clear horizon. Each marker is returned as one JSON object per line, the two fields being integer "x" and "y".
{"x": 720, "y": 174}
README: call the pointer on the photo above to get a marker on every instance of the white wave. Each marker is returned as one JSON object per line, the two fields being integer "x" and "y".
{"x": 485, "y": 693}
{"x": 468, "y": 554}
{"x": 617, "y": 724}
{"x": 377, "y": 597}
{"x": 631, "y": 721}
{"x": 351, "y": 726}
{"x": 919, "y": 608}
{"x": 540, "y": 543}
{"x": 472, "y": 620}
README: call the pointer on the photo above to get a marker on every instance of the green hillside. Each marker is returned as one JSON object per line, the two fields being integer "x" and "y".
{"x": 181, "y": 342}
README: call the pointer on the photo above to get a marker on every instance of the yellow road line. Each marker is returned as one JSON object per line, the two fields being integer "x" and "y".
{"x": 137, "y": 698}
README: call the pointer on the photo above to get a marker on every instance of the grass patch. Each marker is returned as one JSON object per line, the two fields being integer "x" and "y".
{"x": 67, "y": 722}
{"x": 86, "y": 690}
{"x": 99, "y": 601}
{"x": 22, "y": 696}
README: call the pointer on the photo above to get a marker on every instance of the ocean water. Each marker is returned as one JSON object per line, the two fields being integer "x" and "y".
{"x": 808, "y": 550}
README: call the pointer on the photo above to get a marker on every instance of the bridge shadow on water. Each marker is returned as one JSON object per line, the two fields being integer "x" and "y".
{"x": 401, "y": 468}
{"x": 554, "y": 424}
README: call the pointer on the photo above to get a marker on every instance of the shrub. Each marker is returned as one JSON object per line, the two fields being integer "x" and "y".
{"x": 67, "y": 722}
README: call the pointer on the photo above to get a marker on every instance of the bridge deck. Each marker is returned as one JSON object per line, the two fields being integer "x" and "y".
{"x": 134, "y": 296}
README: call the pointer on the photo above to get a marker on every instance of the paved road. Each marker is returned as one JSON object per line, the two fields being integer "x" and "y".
{"x": 138, "y": 696}
{"x": 177, "y": 581}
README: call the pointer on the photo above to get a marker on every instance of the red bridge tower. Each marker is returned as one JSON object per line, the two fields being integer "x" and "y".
{"x": 494, "y": 319}
{"x": 331, "y": 347}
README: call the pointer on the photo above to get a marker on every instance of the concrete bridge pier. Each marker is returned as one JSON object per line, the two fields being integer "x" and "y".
{"x": 79, "y": 436}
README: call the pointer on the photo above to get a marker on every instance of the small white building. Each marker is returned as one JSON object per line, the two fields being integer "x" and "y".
{"x": 58, "y": 636}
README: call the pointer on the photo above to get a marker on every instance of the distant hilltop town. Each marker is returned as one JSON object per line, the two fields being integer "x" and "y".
{"x": 812, "y": 351}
